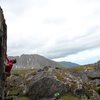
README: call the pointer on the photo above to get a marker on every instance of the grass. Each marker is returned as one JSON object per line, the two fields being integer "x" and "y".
{"x": 81, "y": 68}
{"x": 98, "y": 88}
{"x": 91, "y": 98}
{"x": 59, "y": 75}
{"x": 77, "y": 69}
{"x": 23, "y": 98}
{"x": 69, "y": 97}
{"x": 15, "y": 91}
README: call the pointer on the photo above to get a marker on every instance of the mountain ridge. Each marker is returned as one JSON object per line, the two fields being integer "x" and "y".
{"x": 69, "y": 64}
{"x": 30, "y": 61}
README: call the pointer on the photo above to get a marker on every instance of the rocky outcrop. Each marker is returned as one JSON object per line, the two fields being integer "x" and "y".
{"x": 94, "y": 74}
{"x": 97, "y": 65}
{"x": 3, "y": 48}
{"x": 46, "y": 87}
{"x": 44, "y": 83}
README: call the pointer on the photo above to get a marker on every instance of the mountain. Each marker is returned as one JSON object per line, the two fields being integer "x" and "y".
{"x": 69, "y": 64}
{"x": 28, "y": 61}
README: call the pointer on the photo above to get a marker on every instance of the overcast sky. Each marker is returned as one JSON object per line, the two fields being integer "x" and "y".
{"x": 58, "y": 29}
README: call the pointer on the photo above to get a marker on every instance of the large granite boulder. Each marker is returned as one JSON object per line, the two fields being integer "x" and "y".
{"x": 43, "y": 85}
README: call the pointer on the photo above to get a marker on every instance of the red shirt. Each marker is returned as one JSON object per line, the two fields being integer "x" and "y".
{"x": 9, "y": 66}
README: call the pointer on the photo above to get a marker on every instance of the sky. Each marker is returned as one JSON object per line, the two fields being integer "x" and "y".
{"x": 62, "y": 30}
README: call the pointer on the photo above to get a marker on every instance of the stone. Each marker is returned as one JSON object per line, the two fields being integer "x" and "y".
{"x": 3, "y": 49}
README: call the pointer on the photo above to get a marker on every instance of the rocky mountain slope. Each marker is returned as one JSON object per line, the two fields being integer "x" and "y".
{"x": 83, "y": 82}
{"x": 69, "y": 64}
{"x": 34, "y": 61}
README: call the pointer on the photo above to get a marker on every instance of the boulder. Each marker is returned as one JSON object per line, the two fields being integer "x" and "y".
{"x": 45, "y": 86}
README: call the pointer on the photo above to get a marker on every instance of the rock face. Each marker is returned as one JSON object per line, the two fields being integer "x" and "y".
{"x": 97, "y": 64}
{"x": 94, "y": 74}
{"x": 3, "y": 49}
{"x": 34, "y": 61}
{"x": 45, "y": 86}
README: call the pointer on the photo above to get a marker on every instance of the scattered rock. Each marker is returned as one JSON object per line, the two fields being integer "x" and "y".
{"x": 44, "y": 83}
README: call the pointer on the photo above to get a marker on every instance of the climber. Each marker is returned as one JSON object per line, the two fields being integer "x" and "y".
{"x": 8, "y": 67}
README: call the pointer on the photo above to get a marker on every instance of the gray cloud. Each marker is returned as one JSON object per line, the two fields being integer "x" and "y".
{"x": 86, "y": 42}
{"x": 53, "y": 28}
{"x": 55, "y": 20}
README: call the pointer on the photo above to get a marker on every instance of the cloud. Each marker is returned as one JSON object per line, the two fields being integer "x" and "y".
{"x": 52, "y": 28}
{"x": 84, "y": 57}
{"x": 65, "y": 48}
{"x": 56, "y": 21}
